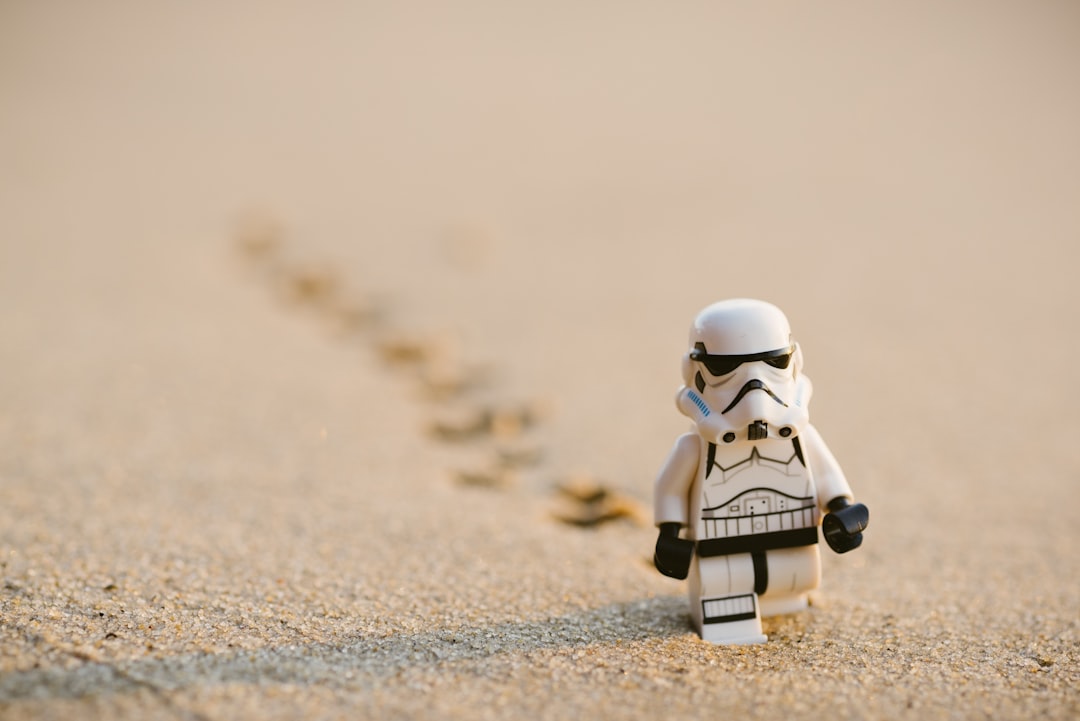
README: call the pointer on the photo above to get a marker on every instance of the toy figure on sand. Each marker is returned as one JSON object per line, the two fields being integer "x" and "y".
{"x": 739, "y": 501}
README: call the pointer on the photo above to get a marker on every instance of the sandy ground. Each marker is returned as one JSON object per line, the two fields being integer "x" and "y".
{"x": 308, "y": 311}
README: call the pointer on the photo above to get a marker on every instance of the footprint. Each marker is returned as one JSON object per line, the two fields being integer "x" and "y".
{"x": 587, "y": 503}
{"x": 258, "y": 237}
{"x": 489, "y": 477}
{"x": 402, "y": 349}
{"x": 503, "y": 423}
{"x": 519, "y": 454}
{"x": 312, "y": 285}
{"x": 358, "y": 313}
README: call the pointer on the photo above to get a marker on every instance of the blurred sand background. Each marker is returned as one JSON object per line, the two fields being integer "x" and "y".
{"x": 224, "y": 489}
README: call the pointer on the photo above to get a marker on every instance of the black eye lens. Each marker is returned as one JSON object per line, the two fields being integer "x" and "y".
{"x": 780, "y": 361}
{"x": 721, "y": 365}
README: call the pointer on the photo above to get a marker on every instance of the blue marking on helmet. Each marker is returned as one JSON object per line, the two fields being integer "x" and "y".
{"x": 699, "y": 403}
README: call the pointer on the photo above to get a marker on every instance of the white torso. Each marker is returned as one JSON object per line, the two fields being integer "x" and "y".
{"x": 752, "y": 488}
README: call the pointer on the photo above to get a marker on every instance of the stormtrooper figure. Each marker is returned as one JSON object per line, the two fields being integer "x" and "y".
{"x": 740, "y": 498}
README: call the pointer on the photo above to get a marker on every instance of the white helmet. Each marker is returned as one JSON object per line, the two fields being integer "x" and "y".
{"x": 740, "y": 327}
{"x": 738, "y": 346}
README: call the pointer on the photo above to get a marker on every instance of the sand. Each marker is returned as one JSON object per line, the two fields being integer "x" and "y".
{"x": 339, "y": 346}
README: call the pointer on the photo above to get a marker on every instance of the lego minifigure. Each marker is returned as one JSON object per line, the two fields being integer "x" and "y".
{"x": 740, "y": 498}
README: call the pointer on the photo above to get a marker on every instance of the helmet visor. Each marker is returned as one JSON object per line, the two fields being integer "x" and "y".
{"x": 720, "y": 365}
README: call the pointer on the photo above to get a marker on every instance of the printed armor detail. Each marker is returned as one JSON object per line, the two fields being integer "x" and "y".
{"x": 757, "y": 503}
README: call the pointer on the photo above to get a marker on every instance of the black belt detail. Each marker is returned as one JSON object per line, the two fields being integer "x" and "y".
{"x": 761, "y": 572}
{"x": 757, "y": 542}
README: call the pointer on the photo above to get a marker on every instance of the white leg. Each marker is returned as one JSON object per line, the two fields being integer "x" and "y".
{"x": 792, "y": 573}
{"x": 723, "y": 605}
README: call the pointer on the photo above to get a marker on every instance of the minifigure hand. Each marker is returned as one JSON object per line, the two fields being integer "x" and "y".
{"x": 673, "y": 554}
{"x": 844, "y": 525}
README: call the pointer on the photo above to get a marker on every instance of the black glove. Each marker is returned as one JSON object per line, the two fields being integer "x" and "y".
{"x": 844, "y": 523}
{"x": 673, "y": 554}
